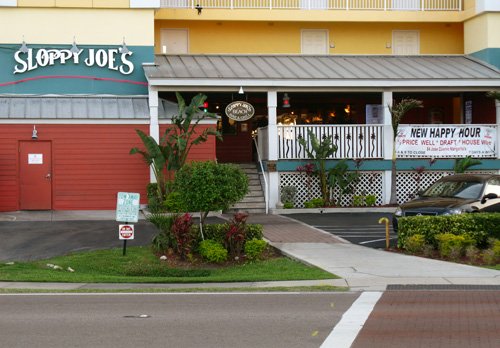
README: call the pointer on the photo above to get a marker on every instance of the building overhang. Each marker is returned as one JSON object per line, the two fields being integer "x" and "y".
{"x": 320, "y": 73}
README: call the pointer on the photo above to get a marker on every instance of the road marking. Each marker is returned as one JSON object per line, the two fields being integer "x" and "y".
{"x": 346, "y": 331}
{"x": 376, "y": 240}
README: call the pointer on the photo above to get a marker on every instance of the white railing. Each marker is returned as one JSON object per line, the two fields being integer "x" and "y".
{"x": 352, "y": 141}
{"x": 377, "y": 5}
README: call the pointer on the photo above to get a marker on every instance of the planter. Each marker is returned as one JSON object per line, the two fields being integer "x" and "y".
{"x": 333, "y": 210}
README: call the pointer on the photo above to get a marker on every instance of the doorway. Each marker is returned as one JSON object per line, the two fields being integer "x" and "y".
{"x": 35, "y": 175}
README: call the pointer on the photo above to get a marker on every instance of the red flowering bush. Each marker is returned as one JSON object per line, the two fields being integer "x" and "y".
{"x": 181, "y": 229}
{"x": 235, "y": 235}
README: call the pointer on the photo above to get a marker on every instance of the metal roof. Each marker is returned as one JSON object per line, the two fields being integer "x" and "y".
{"x": 326, "y": 70}
{"x": 80, "y": 107}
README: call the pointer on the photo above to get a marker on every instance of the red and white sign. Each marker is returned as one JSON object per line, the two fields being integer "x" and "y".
{"x": 126, "y": 232}
{"x": 429, "y": 141}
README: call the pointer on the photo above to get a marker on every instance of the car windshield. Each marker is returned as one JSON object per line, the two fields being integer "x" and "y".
{"x": 459, "y": 189}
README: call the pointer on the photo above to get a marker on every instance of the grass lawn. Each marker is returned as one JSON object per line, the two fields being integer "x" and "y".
{"x": 141, "y": 266}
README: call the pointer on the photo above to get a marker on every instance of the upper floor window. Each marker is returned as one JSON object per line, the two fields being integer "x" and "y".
{"x": 405, "y": 42}
{"x": 314, "y": 41}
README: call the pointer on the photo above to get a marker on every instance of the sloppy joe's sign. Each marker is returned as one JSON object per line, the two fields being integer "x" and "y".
{"x": 112, "y": 59}
{"x": 240, "y": 111}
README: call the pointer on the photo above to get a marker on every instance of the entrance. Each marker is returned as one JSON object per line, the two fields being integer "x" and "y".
{"x": 35, "y": 175}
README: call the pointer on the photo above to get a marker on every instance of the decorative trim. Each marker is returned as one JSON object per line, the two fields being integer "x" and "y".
{"x": 73, "y": 121}
{"x": 73, "y": 77}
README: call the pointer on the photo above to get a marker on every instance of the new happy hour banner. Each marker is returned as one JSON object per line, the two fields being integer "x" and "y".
{"x": 445, "y": 141}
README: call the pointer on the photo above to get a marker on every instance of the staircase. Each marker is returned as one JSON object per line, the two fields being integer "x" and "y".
{"x": 254, "y": 201}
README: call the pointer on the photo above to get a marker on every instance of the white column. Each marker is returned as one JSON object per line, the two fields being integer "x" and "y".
{"x": 388, "y": 143}
{"x": 154, "y": 127}
{"x": 272, "y": 138}
{"x": 497, "y": 105}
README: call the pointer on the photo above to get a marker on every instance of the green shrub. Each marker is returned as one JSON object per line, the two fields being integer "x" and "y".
{"x": 164, "y": 239}
{"x": 496, "y": 248}
{"x": 358, "y": 201}
{"x": 254, "y": 248}
{"x": 217, "y": 232}
{"x": 370, "y": 200}
{"x": 154, "y": 202}
{"x": 489, "y": 257}
{"x": 479, "y": 226}
{"x": 173, "y": 203}
{"x": 212, "y": 251}
{"x": 451, "y": 245}
{"x": 288, "y": 205}
{"x": 415, "y": 243}
{"x": 288, "y": 194}
{"x": 314, "y": 203}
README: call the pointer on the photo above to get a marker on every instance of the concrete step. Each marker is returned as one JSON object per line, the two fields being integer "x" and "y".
{"x": 249, "y": 205}
{"x": 254, "y": 182}
{"x": 255, "y": 193}
{"x": 252, "y": 199}
{"x": 247, "y": 165}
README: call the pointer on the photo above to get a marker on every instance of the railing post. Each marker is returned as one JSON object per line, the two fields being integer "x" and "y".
{"x": 232, "y": 4}
{"x": 385, "y": 5}
{"x": 422, "y": 2}
{"x": 347, "y": 5}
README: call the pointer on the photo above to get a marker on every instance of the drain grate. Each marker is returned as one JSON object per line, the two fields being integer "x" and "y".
{"x": 429, "y": 287}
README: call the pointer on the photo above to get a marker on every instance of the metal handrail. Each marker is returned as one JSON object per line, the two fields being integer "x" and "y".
{"x": 266, "y": 188}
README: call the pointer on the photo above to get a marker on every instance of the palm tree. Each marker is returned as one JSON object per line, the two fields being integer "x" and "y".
{"x": 398, "y": 111}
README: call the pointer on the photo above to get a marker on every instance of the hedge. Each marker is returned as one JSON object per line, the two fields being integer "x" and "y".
{"x": 479, "y": 226}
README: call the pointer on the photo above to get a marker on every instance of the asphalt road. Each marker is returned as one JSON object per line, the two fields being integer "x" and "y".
{"x": 358, "y": 228}
{"x": 172, "y": 320}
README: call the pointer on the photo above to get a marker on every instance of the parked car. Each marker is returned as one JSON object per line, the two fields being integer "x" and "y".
{"x": 454, "y": 194}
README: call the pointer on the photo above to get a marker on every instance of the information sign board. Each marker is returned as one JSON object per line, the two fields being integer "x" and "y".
{"x": 127, "y": 207}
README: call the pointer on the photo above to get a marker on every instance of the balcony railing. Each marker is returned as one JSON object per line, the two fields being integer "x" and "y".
{"x": 352, "y": 141}
{"x": 374, "y": 5}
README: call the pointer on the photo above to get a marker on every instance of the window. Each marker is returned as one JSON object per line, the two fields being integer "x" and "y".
{"x": 314, "y": 41}
{"x": 174, "y": 41}
{"x": 405, "y": 42}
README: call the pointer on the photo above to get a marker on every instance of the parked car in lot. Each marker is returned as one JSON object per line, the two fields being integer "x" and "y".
{"x": 454, "y": 194}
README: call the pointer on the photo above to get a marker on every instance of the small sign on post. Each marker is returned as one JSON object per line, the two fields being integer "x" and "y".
{"x": 127, "y": 210}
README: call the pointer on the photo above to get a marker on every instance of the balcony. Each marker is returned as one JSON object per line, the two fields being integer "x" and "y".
{"x": 339, "y": 5}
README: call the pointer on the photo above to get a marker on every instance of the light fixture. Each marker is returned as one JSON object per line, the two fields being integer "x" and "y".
{"x": 198, "y": 8}
{"x": 34, "y": 134}
{"x": 24, "y": 48}
{"x": 286, "y": 100}
{"x": 124, "y": 48}
{"x": 74, "y": 48}
{"x": 241, "y": 91}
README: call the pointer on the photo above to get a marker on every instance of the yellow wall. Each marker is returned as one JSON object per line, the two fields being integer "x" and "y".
{"x": 88, "y": 26}
{"x": 476, "y": 34}
{"x": 75, "y": 3}
{"x": 284, "y": 37}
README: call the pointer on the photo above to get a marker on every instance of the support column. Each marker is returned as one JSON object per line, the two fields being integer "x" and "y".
{"x": 154, "y": 127}
{"x": 497, "y": 107}
{"x": 272, "y": 155}
{"x": 388, "y": 143}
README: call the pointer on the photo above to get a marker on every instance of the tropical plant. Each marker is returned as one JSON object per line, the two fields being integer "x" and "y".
{"x": 181, "y": 136}
{"x": 398, "y": 111}
{"x": 340, "y": 177}
{"x": 288, "y": 194}
{"x": 494, "y": 94}
{"x": 235, "y": 234}
{"x": 209, "y": 186}
{"x": 319, "y": 151}
{"x": 154, "y": 155}
{"x": 164, "y": 239}
{"x": 182, "y": 232}
{"x": 462, "y": 164}
{"x": 172, "y": 150}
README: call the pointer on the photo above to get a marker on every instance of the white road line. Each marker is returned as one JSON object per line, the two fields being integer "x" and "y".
{"x": 376, "y": 240}
{"x": 346, "y": 331}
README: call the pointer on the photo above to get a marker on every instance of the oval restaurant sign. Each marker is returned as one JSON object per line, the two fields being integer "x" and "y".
{"x": 240, "y": 111}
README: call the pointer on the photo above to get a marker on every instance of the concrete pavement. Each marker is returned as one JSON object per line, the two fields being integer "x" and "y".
{"x": 361, "y": 268}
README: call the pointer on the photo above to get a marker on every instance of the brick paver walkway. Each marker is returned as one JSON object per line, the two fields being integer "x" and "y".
{"x": 281, "y": 229}
{"x": 440, "y": 319}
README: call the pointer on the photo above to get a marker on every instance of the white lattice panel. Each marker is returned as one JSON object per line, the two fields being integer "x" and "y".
{"x": 370, "y": 183}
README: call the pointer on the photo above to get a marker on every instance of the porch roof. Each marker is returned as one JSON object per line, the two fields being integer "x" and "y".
{"x": 327, "y": 71}
{"x": 92, "y": 107}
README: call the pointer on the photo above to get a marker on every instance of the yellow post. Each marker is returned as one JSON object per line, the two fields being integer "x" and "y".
{"x": 386, "y": 220}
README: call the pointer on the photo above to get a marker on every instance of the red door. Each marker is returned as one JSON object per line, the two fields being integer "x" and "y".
{"x": 35, "y": 175}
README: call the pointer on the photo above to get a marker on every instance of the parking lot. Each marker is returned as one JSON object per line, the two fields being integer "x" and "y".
{"x": 357, "y": 228}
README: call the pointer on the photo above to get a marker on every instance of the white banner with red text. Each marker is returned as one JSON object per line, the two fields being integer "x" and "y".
{"x": 446, "y": 141}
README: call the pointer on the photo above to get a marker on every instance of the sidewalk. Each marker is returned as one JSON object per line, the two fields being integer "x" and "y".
{"x": 361, "y": 268}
